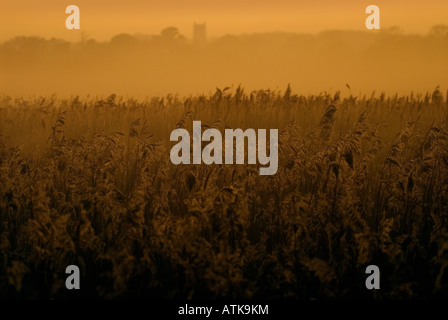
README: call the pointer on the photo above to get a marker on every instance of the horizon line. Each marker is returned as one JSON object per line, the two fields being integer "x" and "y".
{"x": 81, "y": 33}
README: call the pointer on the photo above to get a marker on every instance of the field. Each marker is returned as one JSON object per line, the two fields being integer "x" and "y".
{"x": 361, "y": 180}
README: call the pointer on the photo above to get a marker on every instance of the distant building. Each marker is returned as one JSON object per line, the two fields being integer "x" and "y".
{"x": 199, "y": 33}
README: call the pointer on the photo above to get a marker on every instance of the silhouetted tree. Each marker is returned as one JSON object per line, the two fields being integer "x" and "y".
{"x": 440, "y": 30}
{"x": 25, "y": 44}
{"x": 124, "y": 40}
{"x": 170, "y": 33}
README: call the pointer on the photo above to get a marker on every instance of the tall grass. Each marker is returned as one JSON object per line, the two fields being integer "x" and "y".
{"x": 361, "y": 180}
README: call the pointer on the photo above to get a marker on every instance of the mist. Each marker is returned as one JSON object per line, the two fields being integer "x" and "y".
{"x": 354, "y": 62}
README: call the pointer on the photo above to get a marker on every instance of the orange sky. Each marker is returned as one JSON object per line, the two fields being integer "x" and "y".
{"x": 101, "y": 19}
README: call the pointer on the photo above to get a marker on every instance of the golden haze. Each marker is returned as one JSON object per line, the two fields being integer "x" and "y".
{"x": 103, "y": 19}
{"x": 310, "y": 59}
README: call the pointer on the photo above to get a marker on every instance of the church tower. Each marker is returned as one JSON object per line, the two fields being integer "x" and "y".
{"x": 199, "y": 34}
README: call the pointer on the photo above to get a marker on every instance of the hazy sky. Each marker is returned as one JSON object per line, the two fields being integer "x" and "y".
{"x": 101, "y": 19}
